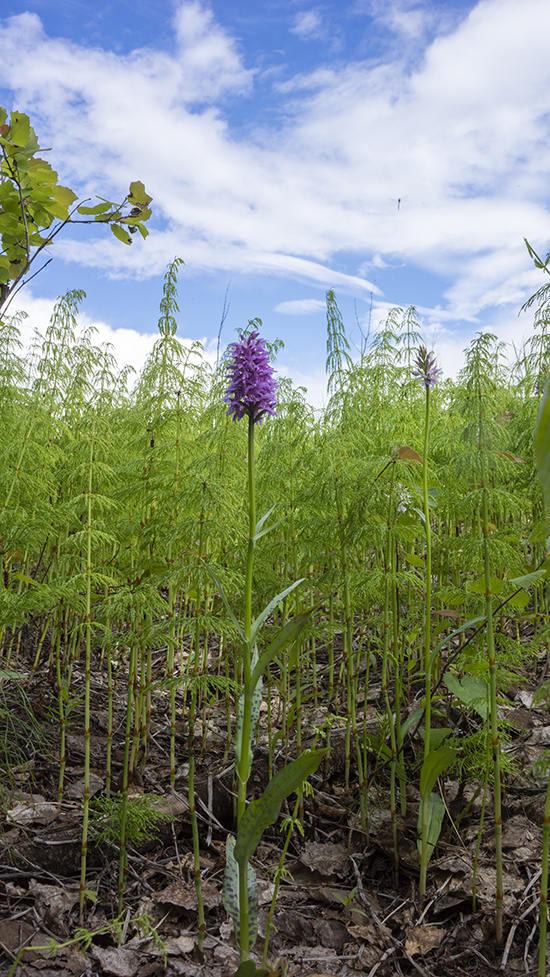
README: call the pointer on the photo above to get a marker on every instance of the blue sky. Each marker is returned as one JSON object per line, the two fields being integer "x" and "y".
{"x": 396, "y": 151}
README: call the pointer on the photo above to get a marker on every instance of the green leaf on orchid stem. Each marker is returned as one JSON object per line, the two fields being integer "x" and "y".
{"x": 434, "y": 764}
{"x": 260, "y": 523}
{"x": 230, "y": 893}
{"x": 412, "y": 720}
{"x": 438, "y": 735}
{"x": 436, "y": 813}
{"x": 284, "y": 636}
{"x": 542, "y": 444}
{"x": 378, "y": 746}
{"x": 420, "y": 515}
{"x": 274, "y": 525}
{"x": 406, "y": 519}
{"x": 263, "y": 616}
{"x": 265, "y": 811}
{"x": 23, "y": 577}
{"x": 511, "y": 457}
{"x": 249, "y": 969}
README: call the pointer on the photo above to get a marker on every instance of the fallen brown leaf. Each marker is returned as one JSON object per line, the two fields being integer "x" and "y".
{"x": 422, "y": 939}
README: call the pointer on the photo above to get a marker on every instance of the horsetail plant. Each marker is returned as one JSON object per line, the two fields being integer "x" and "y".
{"x": 542, "y": 451}
{"x": 435, "y": 761}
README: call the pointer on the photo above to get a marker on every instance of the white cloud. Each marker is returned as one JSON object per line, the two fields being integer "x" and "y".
{"x": 405, "y": 17}
{"x": 463, "y": 135}
{"x": 209, "y": 59}
{"x": 300, "y": 307}
{"x": 307, "y": 24}
{"x": 315, "y": 383}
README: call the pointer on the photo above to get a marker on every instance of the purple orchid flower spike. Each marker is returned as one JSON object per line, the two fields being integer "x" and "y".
{"x": 252, "y": 389}
{"x": 426, "y": 368}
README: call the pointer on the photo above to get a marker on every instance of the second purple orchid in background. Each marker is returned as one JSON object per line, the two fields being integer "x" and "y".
{"x": 426, "y": 367}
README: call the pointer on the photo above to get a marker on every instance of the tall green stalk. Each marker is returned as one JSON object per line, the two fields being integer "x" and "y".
{"x": 543, "y": 911}
{"x": 388, "y": 586}
{"x": 244, "y": 764}
{"x": 427, "y": 370}
{"x": 130, "y": 705}
{"x": 495, "y": 736}
{"x": 427, "y": 640}
{"x": 87, "y": 671}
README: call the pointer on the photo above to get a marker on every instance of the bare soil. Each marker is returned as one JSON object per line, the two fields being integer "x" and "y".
{"x": 346, "y": 907}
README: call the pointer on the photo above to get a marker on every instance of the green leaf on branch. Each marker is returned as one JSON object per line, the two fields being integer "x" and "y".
{"x": 265, "y": 811}
{"x": 471, "y": 690}
{"x": 94, "y": 211}
{"x": 31, "y": 200}
{"x": 415, "y": 561}
{"x": 20, "y": 129}
{"x": 41, "y": 171}
{"x": 4, "y": 269}
{"x": 529, "y": 579}
{"x": 121, "y": 234}
{"x": 63, "y": 197}
{"x": 540, "y": 531}
{"x": 478, "y": 586}
{"x": 137, "y": 195}
{"x": 519, "y": 600}
{"x": 472, "y": 623}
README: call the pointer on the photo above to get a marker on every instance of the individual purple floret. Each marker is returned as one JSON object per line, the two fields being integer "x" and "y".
{"x": 252, "y": 387}
{"x": 426, "y": 367}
